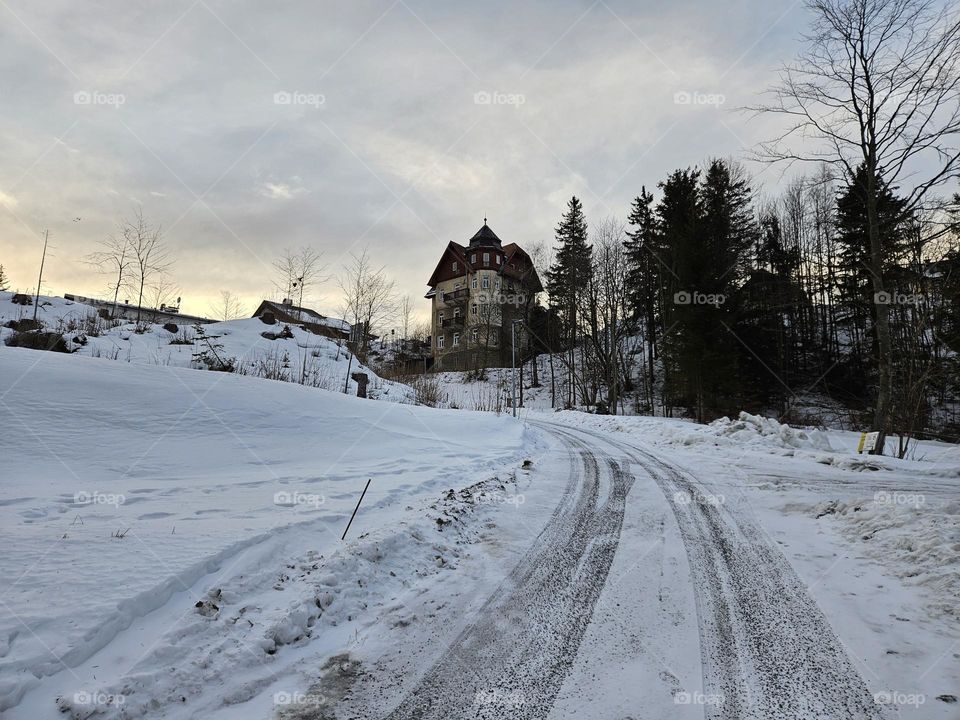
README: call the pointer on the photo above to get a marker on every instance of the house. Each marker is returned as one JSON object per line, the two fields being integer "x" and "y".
{"x": 163, "y": 314}
{"x": 286, "y": 312}
{"x": 477, "y": 291}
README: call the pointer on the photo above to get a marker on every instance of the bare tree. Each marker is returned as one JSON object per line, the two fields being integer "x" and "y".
{"x": 150, "y": 258}
{"x": 114, "y": 259}
{"x": 369, "y": 298}
{"x": 405, "y": 312}
{"x": 162, "y": 293}
{"x": 879, "y": 86}
{"x": 297, "y": 272}
{"x": 228, "y": 307}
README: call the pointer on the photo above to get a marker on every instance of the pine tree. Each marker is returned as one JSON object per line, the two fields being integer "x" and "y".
{"x": 569, "y": 276}
{"x": 645, "y": 260}
{"x": 709, "y": 232}
{"x": 4, "y": 280}
{"x": 857, "y": 302}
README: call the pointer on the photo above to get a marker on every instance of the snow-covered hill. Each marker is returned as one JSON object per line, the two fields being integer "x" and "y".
{"x": 295, "y": 356}
{"x": 126, "y": 487}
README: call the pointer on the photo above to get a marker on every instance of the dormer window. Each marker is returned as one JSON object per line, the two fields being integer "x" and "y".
{"x": 498, "y": 259}
{"x": 486, "y": 258}
{"x": 455, "y": 265}
{"x": 473, "y": 258}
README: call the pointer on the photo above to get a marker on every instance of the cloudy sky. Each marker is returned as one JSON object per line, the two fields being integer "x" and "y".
{"x": 247, "y": 127}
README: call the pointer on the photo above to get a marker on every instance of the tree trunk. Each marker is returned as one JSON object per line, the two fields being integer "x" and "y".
{"x": 884, "y": 358}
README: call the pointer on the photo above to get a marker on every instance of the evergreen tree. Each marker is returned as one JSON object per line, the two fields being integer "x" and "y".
{"x": 857, "y": 303}
{"x": 645, "y": 261}
{"x": 4, "y": 280}
{"x": 709, "y": 230}
{"x": 568, "y": 279}
{"x": 854, "y": 240}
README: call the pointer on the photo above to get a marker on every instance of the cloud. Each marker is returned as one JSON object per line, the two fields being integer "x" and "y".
{"x": 400, "y": 157}
{"x": 281, "y": 191}
{"x": 8, "y": 201}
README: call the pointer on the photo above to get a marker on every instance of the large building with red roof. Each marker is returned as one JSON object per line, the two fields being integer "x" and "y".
{"x": 477, "y": 290}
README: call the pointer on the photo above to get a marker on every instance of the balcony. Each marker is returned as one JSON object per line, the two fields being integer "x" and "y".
{"x": 455, "y": 322}
{"x": 457, "y": 297}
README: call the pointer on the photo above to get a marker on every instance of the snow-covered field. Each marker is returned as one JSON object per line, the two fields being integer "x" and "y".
{"x": 129, "y": 491}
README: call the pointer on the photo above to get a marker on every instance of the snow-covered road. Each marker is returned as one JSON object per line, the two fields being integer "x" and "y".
{"x": 548, "y": 637}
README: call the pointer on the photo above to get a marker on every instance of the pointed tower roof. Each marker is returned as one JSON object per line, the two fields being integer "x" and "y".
{"x": 485, "y": 236}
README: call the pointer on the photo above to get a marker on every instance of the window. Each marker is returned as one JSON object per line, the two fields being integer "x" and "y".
{"x": 456, "y": 339}
{"x": 440, "y": 318}
{"x": 475, "y": 334}
{"x": 455, "y": 265}
{"x": 498, "y": 260}
{"x": 456, "y": 312}
{"x": 473, "y": 283}
{"x": 473, "y": 258}
{"x": 440, "y": 341}
{"x": 496, "y": 284}
{"x": 493, "y": 339}
{"x": 486, "y": 258}
{"x": 440, "y": 295}
{"x": 473, "y": 309}
{"x": 486, "y": 283}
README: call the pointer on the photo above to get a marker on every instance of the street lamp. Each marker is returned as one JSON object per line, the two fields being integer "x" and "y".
{"x": 513, "y": 348}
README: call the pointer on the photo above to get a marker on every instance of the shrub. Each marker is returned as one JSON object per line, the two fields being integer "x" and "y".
{"x": 428, "y": 391}
{"x": 37, "y": 340}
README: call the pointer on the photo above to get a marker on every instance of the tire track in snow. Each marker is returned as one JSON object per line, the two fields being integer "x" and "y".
{"x": 511, "y": 661}
{"x": 768, "y": 651}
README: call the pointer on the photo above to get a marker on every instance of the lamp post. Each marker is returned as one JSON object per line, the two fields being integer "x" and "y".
{"x": 513, "y": 348}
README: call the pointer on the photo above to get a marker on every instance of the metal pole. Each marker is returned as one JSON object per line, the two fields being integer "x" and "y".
{"x": 513, "y": 367}
{"x": 43, "y": 259}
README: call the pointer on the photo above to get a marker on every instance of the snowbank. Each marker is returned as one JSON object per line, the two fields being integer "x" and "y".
{"x": 916, "y": 539}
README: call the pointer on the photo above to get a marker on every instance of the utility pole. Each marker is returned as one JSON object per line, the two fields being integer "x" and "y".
{"x": 513, "y": 348}
{"x": 43, "y": 258}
